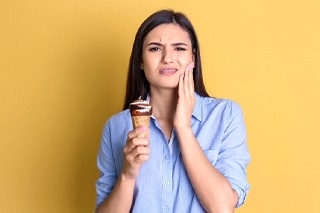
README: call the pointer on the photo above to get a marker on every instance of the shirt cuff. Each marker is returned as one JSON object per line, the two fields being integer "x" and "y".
{"x": 242, "y": 194}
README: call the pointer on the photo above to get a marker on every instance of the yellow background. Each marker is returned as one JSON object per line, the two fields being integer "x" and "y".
{"x": 62, "y": 75}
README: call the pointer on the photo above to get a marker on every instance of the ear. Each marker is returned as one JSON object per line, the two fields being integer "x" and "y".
{"x": 141, "y": 65}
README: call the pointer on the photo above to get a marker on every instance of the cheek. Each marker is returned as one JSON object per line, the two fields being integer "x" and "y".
{"x": 147, "y": 74}
{"x": 148, "y": 71}
{"x": 148, "y": 62}
{"x": 186, "y": 59}
{"x": 184, "y": 63}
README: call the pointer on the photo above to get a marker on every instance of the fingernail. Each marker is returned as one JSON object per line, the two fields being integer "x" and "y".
{"x": 142, "y": 128}
{"x": 188, "y": 67}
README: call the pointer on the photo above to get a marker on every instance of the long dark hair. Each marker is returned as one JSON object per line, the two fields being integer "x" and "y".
{"x": 137, "y": 83}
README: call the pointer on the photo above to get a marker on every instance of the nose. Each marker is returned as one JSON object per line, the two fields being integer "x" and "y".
{"x": 167, "y": 57}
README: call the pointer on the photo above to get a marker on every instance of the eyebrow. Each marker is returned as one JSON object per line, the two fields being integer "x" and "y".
{"x": 174, "y": 44}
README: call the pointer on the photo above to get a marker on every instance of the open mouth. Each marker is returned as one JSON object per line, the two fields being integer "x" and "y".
{"x": 168, "y": 71}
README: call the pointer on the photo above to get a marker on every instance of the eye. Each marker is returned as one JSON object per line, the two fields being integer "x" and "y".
{"x": 180, "y": 49}
{"x": 154, "y": 49}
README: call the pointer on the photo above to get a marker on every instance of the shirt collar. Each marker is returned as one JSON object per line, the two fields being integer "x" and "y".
{"x": 197, "y": 108}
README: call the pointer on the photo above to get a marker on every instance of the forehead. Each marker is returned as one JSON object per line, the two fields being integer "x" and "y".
{"x": 168, "y": 33}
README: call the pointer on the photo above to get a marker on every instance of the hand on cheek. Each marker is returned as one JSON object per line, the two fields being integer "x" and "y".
{"x": 186, "y": 100}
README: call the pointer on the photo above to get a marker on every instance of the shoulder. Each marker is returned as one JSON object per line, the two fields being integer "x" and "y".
{"x": 217, "y": 109}
{"x": 120, "y": 116}
{"x": 119, "y": 120}
{"x": 115, "y": 129}
{"x": 218, "y": 104}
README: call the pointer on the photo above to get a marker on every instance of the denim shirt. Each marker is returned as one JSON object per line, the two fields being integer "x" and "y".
{"x": 163, "y": 184}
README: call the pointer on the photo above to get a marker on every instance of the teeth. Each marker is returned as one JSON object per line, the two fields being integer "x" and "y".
{"x": 168, "y": 70}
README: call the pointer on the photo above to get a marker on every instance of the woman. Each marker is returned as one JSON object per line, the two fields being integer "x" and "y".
{"x": 195, "y": 157}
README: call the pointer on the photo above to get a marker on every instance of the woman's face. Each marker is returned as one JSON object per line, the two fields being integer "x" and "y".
{"x": 166, "y": 53}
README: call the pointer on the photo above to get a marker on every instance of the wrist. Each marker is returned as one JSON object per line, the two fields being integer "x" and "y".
{"x": 184, "y": 131}
{"x": 127, "y": 178}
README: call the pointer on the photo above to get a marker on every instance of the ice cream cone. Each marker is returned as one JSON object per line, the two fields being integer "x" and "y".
{"x": 140, "y": 111}
{"x": 138, "y": 121}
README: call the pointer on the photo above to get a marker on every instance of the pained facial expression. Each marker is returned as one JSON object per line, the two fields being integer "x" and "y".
{"x": 167, "y": 51}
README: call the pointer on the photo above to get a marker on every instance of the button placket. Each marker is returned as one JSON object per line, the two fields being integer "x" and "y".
{"x": 167, "y": 181}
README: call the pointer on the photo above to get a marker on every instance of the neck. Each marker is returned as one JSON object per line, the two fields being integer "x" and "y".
{"x": 164, "y": 103}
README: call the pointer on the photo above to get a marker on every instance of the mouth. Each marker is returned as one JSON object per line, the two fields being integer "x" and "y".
{"x": 168, "y": 71}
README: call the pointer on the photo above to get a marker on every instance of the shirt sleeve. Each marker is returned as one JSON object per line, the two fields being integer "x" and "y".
{"x": 234, "y": 156}
{"x": 106, "y": 165}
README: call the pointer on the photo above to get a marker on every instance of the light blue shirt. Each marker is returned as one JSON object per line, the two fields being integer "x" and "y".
{"x": 163, "y": 184}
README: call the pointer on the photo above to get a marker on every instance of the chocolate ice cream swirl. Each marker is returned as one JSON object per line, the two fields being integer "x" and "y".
{"x": 140, "y": 107}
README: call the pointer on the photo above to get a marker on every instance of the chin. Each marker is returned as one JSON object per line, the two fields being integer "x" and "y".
{"x": 173, "y": 85}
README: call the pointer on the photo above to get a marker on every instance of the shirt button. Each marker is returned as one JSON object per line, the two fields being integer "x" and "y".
{"x": 166, "y": 208}
{"x": 167, "y": 157}
{"x": 167, "y": 182}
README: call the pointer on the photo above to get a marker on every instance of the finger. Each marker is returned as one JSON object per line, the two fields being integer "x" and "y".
{"x": 186, "y": 81}
{"x": 138, "y": 155}
{"x": 141, "y": 158}
{"x": 133, "y": 140}
{"x": 142, "y": 154}
{"x": 181, "y": 87}
{"x": 132, "y": 153}
{"x": 191, "y": 81}
{"x": 145, "y": 133}
{"x": 141, "y": 150}
{"x": 133, "y": 143}
{"x": 134, "y": 133}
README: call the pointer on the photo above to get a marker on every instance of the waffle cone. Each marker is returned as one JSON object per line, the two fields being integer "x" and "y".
{"x": 141, "y": 120}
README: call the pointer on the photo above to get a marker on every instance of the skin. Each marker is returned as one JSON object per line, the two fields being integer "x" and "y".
{"x": 167, "y": 61}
